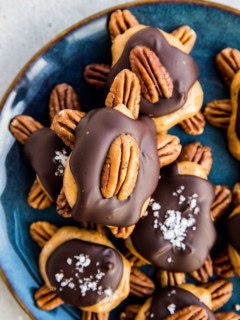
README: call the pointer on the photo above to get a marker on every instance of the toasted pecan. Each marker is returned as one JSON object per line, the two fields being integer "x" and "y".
{"x": 63, "y": 96}
{"x": 221, "y": 203}
{"x": 62, "y": 205}
{"x": 120, "y": 170}
{"x": 140, "y": 284}
{"x": 96, "y": 74}
{"x": 236, "y": 194}
{"x": 47, "y": 299}
{"x": 196, "y": 152}
{"x": 23, "y": 126}
{"x": 125, "y": 90}
{"x": 221, "y": 292}
{"x": 65, "y": 124}
{"x": 205, "y": 272}
{"x": 169, "y": 148}
{"x": 88, "y": 315}
{"x": 170, "y": 279}
{"x": 228, "y": 62}
{"x": 37, "y": 197}
{"x": 222, "y": 265}
{"x": 187, "y": 36}
{"x": 154, "y": 79}
{"x": 130, "y": 312}
{"x": 120, "y": 21}
{"x": 194, "y": 125}
{"x": 218, "y": 113}
{"x": 42, "y": 231}
{"x": 189, "y": 313}
{"x": 227, "y": 316}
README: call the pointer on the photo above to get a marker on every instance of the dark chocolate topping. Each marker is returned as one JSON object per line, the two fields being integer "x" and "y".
{"x": 84, "y": 273}
{"x": 177, "y": 229}
{"x": 47, "y": 155}
{"x": 238, "y": 117}
{"x": 233, "y": 231}
{"x": 94, "y": 136}
{"x": 181, "y": 67}
{"x": 167, "y": 300}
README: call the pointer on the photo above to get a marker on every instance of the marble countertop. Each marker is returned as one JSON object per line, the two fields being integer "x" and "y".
{"x": 35, "y": 23}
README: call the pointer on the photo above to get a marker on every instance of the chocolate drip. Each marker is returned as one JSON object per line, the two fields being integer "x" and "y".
{"x": 42, "y": 151}
{"x": 94, "y": 136}
{"x": 238, "y": 117}
{"x": 233, "y": 228}
{"x": 177, "y": 193}
{"x": 84, "y": 273}
{"x": 181, "y": 67}
{"x": 173, "y": 298}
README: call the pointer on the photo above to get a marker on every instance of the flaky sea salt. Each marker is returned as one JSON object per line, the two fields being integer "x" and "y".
{"x": 175, "y": 226}
{"x": 60, "y": 159}
{"x": 156, "y": 206}
{"x": 83, "y": 261}
{"x": 59, "y": 277}
{"x": 171, "y": 308}
{"x": 69, "y": 261}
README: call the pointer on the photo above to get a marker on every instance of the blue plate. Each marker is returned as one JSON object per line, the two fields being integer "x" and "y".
{"x": 63, "y": 60}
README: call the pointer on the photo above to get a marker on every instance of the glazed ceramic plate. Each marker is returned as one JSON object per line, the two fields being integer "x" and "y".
{"x": 63, "y": 60}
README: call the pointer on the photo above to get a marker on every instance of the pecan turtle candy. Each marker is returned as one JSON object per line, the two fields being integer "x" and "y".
{"x": 170, "y": 92}
{"x": 227, "y": 264}
{"x": 184, "y": 302}
{"x": 43, "y": 149}
{"x": 114, "y": 166}
{"x": 177, "y": 226}
{"x": 225, "y": 113}
{"x": 82, "y": 268}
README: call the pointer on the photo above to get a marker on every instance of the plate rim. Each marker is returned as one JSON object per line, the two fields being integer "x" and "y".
{"x": 57, "y": 38}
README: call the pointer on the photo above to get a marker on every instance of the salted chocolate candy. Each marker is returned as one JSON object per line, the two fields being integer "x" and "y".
{"x": 168, "y": 75}
{"x": 47, "y": 155}
{"x": 177, "y": 229}
{"x": 84, "y": 270}
{"x": 113, "y": 169}
{"x": 174, "y": 303}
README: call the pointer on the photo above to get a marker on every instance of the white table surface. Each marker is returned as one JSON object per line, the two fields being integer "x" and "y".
{"x": 36, "y": 22}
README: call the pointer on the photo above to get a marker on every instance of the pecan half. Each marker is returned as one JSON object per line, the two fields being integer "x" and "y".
{"x": 93, "y": 226}
{"x": 196, "y": 152}
{"x": 236, "y": 194}
{"x": 218, "y": 113}
{"x": 222, "y": 265}
{"x": 221, "y": 292}
{"x": 221, "y": 203}
{"x": 120, "y": 171}
{"x": 62, "y": 206}
{"x": 63, "y": 96}
{"x": 37, "y": 198}
{"x": 187, "y": 36}
{"x": 135, "y": 261}
{"x": 227, "y": 316}
{"x": 154, "y": 78}
{"x": 47, "y": 299}
{"x": 169, "y": 148}
{"x": 88, "y": 315}
{"x": 167, "y": 278}
{"x": 228, "y": 62}
{"x": 96, "y": 74}
{"x": 65, "y": 124}
{"x": 42, "y": 231}
{"x": 189, "y": 313}
{"x": 22, "y": 127}
{"x": 140, "y": 284}
{"x": 121, "y": 232}
{"x": 120, "y": 21}
{"x": 130, "y": 312}
{"x": 194, "y": 125}
{"x": 125, "y": 90}
{"x": 205, "y": 272}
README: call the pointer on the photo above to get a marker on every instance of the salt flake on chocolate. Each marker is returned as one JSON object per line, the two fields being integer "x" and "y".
{"x": 60, "y": 159}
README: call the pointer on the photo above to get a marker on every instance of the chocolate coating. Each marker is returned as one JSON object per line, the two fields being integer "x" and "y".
{"x": 94, "y": 136}
{"x": 40, "y": 152}
{"x": 233, "y": 228}
{"x": 180, "y": 66}
{"x": 80, "y": 285}
{"x": 238, "y": 117}
{"x": 177, "y": 297}
{"x": 175, "y": 248}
